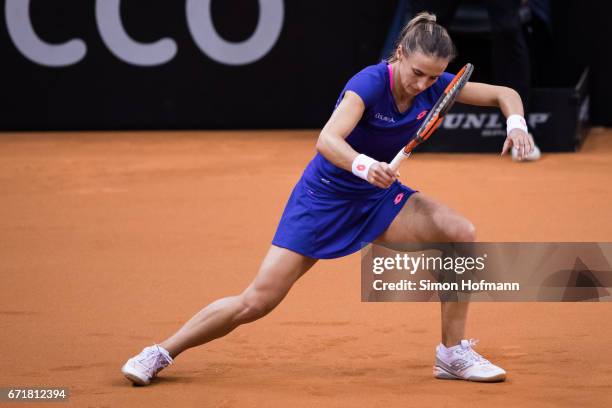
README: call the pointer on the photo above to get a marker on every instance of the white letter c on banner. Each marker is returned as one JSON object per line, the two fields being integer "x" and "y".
{"x": 108, "y": 18}
{"x": 19, "y": 25}
{"x": 269, "y": 26}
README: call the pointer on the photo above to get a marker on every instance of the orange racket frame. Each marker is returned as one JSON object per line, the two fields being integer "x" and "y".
{"x": 436, "y": 114}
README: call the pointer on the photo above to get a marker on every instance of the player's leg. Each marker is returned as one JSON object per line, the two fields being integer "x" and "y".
{"x": 280, "y": 269}
{"x": 423, "y": 219}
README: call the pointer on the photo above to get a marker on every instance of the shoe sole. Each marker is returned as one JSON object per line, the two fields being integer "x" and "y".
{"x": 441, "y": 374}
{"x": 133, "y": 377}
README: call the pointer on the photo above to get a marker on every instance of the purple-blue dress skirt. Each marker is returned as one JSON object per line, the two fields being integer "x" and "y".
{"x": 323, "y": 225}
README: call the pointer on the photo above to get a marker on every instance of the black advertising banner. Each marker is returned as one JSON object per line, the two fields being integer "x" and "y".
{"x": 558, "y": 118}
{"x": 182, "y": 64}
{"x": 215, "y": 64}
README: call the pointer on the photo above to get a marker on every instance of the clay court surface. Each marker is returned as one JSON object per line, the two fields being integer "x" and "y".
{"x": 110, "y": 241}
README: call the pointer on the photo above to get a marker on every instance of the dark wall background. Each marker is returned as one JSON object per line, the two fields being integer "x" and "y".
{"x": 322, "y": 43}
{"x": 579, "y": 37}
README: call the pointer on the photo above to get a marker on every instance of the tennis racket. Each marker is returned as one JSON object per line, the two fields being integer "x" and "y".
{"x": 435, "y": 116}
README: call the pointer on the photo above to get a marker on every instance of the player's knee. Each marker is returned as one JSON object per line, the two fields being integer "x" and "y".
{"x": 254, "y": 304}
{"x": 466, "y": 232}
{"x": 462, "y": 231}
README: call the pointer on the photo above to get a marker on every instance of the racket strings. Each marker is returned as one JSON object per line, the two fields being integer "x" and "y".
{"x": 451, "y": 94}
{"x": 434, "y": 119}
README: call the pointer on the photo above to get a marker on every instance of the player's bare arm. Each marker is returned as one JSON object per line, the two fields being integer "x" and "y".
{"x": 333, "y": 147}
{"x": 509, "y": 102}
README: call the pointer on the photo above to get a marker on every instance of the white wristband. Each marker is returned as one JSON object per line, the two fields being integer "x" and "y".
{"x": 361, "y": 166}
{"x": 515, "y": 122}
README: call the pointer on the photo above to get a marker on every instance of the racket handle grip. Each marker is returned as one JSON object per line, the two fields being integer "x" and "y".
{"x": 399, "y": 157}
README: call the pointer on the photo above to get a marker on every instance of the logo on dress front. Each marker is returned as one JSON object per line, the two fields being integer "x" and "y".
{"x": 384, "y": 118}
{"x": 398, "y": 198}
{"x": 422, "y": 114}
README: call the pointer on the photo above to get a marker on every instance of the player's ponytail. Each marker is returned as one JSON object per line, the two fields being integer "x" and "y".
{"x": 423, "y": 34}
{"x": 421, "y": 18}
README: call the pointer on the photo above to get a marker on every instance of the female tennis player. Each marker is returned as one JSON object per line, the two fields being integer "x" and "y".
{"x": 348, "y": 195}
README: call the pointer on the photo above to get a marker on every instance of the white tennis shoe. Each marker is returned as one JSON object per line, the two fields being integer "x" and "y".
{"x": 141, "y": 369}
{"x": 461, "y": 362}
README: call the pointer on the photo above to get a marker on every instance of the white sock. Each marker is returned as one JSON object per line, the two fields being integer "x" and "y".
{"x": 164, "y": 351}
{"x": 444, "y": 348}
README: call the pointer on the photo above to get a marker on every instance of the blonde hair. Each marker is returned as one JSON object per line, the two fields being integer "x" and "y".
{"x": 423, "y": 34}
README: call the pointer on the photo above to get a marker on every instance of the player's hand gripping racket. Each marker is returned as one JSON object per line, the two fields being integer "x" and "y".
{"x": 436, "y": 114}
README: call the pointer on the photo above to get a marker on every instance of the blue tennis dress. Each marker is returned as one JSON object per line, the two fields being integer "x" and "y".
{"x": 333, "y": 213}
